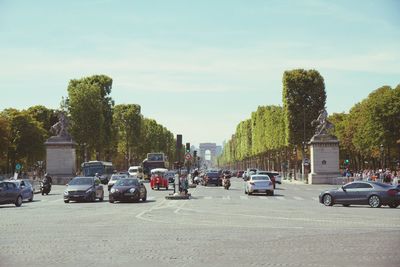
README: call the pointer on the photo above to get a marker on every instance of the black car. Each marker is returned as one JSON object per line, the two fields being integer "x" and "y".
{"x": 10, "y": 194}
{"x": 129, "y": 189}
{"x": 212, "y": 178}
{"x": 362, "y": 193}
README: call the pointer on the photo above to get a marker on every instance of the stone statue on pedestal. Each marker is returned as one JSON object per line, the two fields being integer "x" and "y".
{"x": 60, "y": 152}
{"x": 324, "y": 152}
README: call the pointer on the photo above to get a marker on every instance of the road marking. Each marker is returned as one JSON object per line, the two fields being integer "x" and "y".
{"x": 208, "y": 198}
{"x": 315, "y": 198}
{"x": 244, "y": 197}
{"x": 226, "y": 198}
{"x": 280, "y": 198}
{"x": 298, "y": 198}
{"x": 151, "y": 198}
{"x": 262, "y": 197}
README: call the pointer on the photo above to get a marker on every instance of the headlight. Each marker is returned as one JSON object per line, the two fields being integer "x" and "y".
{"x": 66, "y": 192}
{"x": 113, "y": 190}
{"x": 132, "y": 190}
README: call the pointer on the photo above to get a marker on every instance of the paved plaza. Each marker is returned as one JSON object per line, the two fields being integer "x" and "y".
{"x": 216, "y": 227}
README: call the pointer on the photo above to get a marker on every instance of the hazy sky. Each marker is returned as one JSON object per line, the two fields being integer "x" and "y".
{"x": 197, "y": 67}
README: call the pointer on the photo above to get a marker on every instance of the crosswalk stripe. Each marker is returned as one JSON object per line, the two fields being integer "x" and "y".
{"x": 298, "y": 198}
{"x": 207, "y": 197}
{"x": 244, "y": 197}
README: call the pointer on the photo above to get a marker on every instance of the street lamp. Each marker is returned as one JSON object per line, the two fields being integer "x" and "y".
{"x": 382, "y": 151}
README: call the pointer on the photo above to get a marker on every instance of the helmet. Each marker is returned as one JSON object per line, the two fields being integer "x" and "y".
{"x": 97, "y": 174}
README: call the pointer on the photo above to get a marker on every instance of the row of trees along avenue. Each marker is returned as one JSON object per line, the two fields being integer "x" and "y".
{"x": 276, "y": 137}
{"x": 101, "y": 129}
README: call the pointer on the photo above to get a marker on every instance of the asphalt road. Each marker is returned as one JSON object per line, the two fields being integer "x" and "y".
{"x": 216, "y": 227}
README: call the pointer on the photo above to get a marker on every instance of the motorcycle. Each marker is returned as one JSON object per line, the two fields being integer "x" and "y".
{"x": 198, "y": 180}
{"x": 227, "y": 183}
{"x": 45, "y": 187}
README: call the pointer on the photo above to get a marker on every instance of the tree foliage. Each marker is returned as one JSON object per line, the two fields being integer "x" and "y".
{"x": 303, "y": 98}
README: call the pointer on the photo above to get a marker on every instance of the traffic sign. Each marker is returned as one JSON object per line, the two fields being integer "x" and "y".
{"x": 18, "y": 166}
{"x": 188, "y": 156}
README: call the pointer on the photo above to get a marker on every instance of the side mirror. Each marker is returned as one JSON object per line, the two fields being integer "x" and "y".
{"x": 344, "y": 189}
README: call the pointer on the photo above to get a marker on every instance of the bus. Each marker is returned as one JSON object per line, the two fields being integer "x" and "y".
{"x": 152, "y": 161}
{"x": 103, "y": 168}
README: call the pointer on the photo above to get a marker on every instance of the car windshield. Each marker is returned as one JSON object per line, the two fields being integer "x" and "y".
{"x": 115, "y": 177}
{"x": 127, "y": 182}
{"x": 260, "y": 178}
{"x": 81, "y": 181}
{"x": 213, "y": 174}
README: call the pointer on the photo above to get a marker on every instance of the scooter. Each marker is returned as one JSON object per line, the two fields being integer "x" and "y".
{"x": 45, "y": 187}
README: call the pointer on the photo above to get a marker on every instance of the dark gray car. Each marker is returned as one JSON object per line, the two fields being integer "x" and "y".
{"x": 362, "y": 193}
{"x": 10, "y": 194}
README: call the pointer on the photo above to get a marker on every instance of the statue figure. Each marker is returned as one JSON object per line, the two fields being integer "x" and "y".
{"x": 61, "y": 127}
{"x": 323, "y": 125}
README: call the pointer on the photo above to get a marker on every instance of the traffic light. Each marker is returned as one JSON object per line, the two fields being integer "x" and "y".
{"x": 188, "y": 147}
{"x": 346, "y": 162}
{"x": 195, "y": 154}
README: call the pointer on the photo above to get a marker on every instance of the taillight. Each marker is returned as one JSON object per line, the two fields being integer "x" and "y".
{"x": 392, "y": 192}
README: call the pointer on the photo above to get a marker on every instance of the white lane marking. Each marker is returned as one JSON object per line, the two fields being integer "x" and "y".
{"x": 226, "y": 198}
{"x": 280, "y": 198}
{"x": 298, "y": 198}
{"x": 262, "y": 197}
{"x": 315, "y": 198}
{"x": 244, "y": 197}
{"x": 208, "y": 198}
{"x": 151, "y": 198}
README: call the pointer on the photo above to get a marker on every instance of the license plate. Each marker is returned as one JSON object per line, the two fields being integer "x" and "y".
{"x": 128, "y": 194}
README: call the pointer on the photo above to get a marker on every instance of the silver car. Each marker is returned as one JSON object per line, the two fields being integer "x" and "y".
{"x": 362, "y": 193}
{"x": 259, "y": 184}
{"x": 84, "y": 188}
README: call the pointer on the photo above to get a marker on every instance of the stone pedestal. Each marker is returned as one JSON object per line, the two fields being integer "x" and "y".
{"x": 324, "y": 159}
{"x": 60, "y": 159}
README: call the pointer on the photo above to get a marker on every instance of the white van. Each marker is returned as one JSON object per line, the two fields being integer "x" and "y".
{"x": 136, "y": 171}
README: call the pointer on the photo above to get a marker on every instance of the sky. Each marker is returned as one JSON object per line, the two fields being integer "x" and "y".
{"x": 197, "y": 67}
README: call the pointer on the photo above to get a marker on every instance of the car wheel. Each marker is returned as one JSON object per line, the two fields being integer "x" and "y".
{"x": 271, "y": 193}
{"x": 18, "y": 202}
{"x": 144, "y": 198}
{"x": 31, "y": 199}
{"x": 111, "y": 200}
{"x": 327, "y": 200}
{"x": 374, "y": 201}
{"x": 158, "y": 187}
{"x": 93, "y": 199}
{"x": 66, "y": 201}
{"x": 393, "y": 206}
{"x": 346, "y": 205}
{"x": 42, "y": 193}
{"x": 250, "y": 193}
{"x": 102, "y": 197}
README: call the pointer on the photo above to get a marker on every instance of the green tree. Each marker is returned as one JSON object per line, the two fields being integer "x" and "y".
{"x": 303, "y": 98}
{"x": 90, "y": 107}
{"x": 128, "y": 121}
{"x": 47, "y": 117}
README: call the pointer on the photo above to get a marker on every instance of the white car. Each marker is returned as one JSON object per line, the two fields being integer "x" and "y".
{"x": 136, "y": 171}
{"x": 114, "y": 178}
{"x": 259, "y": 183}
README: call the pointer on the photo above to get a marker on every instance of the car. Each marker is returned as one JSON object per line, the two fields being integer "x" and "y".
{"x": 136, "y": 171}
{"x": 212, "y": 178}
{"x": 249, "y": 172}
{"x": 170, "y": 175}
{"x": 374, "y": 194}
{"x": 114, "y": 178}
{"x": 259, "y": 183}
{"x": 25, "y": 187}
{"x": 158, "y": 179}
{"x": 84, "y": 188}
{"x": 10, "y": 194}
{"x": 239, "y": 174}
{"x": 130, "y": 189}
{"x": 275, "y": 176}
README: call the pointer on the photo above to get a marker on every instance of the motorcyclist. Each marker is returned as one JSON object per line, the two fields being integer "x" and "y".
{"x": 47, "y": 179}
{"x": 183, "y": 185}
{"x": 195, "y": 174}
